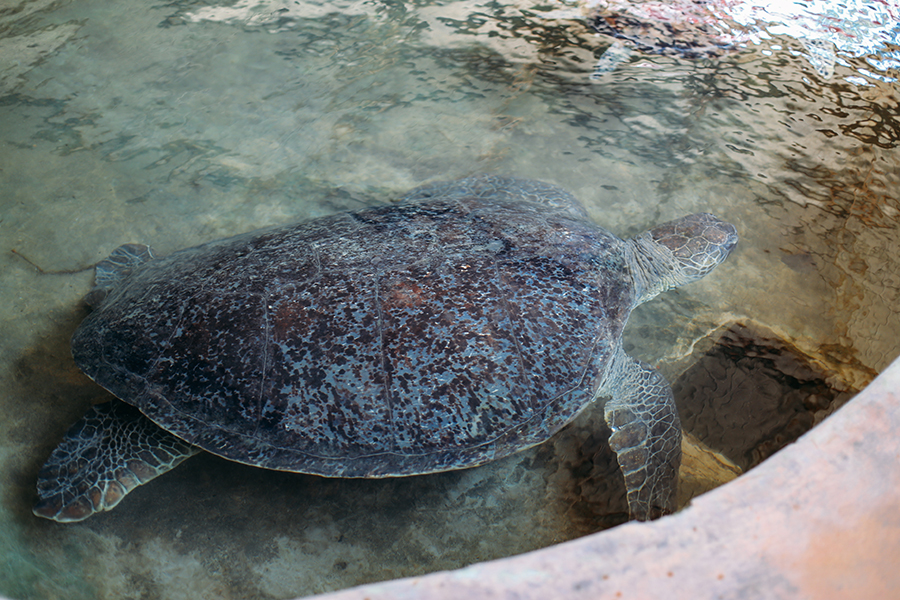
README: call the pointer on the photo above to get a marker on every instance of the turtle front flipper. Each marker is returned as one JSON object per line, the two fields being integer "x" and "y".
{"x": 646, "y": 436}
{"x": 113, "y": 449}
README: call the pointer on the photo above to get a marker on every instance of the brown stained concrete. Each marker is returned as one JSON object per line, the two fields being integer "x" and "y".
{"x": 819, "y": 519}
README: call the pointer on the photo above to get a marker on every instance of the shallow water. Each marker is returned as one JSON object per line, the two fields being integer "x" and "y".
{"x": 173, "y": 124}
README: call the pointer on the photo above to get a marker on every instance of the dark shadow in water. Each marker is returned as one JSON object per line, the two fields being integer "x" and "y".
{"x": 48, "y": 394}
{"x": 754, "y": 393}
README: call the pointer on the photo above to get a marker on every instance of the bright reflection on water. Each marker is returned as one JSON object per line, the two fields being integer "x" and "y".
{"x": 177, "y": 123}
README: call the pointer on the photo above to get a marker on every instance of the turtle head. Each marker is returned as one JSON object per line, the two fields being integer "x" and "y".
{"x": 679, "y": 252}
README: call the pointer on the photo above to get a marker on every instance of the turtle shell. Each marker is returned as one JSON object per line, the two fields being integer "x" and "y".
{"x": 462, "y": 325}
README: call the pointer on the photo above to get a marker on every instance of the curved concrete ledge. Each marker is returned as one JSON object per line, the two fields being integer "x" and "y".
{"x": 817, "y": 520}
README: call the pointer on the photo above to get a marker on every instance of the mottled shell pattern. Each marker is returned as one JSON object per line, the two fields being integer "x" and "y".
{"x": 461, "y": 325}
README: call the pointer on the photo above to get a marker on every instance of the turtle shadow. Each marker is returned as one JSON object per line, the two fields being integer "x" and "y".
{"x": 47, "y": 393}
{"x": 242, "y": 520}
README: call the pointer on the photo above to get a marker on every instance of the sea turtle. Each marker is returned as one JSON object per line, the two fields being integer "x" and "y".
{"x": 688, "y": 28}
{"x": 711, "y": 28}
{"x": 470, "y": 321}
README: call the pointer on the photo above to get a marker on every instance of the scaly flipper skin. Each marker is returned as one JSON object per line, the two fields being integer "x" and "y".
{"x": 646, "y": 436}
{"x": 109, "y": 452}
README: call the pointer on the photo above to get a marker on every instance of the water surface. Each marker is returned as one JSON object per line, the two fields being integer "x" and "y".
{"x": 177, "y": 123}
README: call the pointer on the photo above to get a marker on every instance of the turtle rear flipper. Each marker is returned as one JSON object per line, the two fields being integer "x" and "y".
{"x": 113, "y": 449}
{"x": 646, "y": 436}
{"x": 116, "y": 267}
